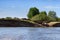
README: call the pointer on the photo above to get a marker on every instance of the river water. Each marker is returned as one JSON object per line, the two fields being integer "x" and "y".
{"x": 27, "y": 33}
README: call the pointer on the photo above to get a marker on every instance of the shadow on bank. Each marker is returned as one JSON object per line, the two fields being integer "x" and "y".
{"x": 20, "y": 23}
{"x": 17, "y": 23}
{"x": 56, "y": 25}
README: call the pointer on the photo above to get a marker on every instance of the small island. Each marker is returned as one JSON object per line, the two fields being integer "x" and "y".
{"x": 35, "y": 18}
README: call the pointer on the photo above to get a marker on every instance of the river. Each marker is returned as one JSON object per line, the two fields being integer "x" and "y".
{"x": 27, "y": 33}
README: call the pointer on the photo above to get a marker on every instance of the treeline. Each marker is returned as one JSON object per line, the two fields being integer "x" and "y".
{"x": 35, "y": 15}
{"x": 35, "y": 18}
{"x": 17, "y": 22}
{"x": 10, "y": 18}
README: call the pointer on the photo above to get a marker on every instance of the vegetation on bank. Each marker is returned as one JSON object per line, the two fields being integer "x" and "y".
{"x": 35, "y": 18}
{"x": 43, "y": 16}
{"x": 16, "y": 22}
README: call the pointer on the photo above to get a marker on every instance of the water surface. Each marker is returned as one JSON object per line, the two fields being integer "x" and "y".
{"x": 27, "y": 33}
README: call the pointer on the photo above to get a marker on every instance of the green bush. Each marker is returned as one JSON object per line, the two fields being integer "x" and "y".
{"x": 8, "y": 18}
{"x": 51, "y": 19}
{"x": 40, "y": 17}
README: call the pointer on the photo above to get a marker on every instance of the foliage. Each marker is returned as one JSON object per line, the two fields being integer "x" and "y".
{"x": 15, "y": 18}
{"x": 58, "y": 19}
{"x": 32, "y": 12}
{"x": 43, "y": 13}
{"x": 8, "y": 18}
{"x": 52, "y": 16}
{"x": 40, "y": 17}
{"x": 51, "y": 19}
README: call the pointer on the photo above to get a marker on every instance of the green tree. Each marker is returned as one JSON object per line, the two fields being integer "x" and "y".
{"x": 51, "y": 19}
{"x": 52, "y": 16}
{"x": 43, "y": 13}
{"x": 59, "y": 19}
{"x": 15, "y": 18}
{"x": 8, "y": 18}
{"x": 40, "y": 17}
{"x": 32, "y": 12}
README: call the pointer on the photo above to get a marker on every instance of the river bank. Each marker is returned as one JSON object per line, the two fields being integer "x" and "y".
{"x": 25, "y": 23}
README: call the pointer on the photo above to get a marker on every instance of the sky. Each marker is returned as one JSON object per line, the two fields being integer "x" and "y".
{"x": 20, "y": 8}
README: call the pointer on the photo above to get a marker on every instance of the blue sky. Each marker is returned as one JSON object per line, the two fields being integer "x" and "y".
{"x": 20, "y": 8}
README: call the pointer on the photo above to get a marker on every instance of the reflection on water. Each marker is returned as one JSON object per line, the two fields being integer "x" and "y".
{"x": 21, "y": 33}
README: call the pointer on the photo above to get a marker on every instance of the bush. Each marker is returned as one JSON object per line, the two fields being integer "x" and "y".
{"x": 40, "y": 18}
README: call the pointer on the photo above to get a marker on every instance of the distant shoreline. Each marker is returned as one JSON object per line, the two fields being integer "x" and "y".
{"x": 21, "y": 23}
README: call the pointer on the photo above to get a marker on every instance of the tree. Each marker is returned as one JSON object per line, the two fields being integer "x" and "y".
{"x": 52, "y": 16}
{"x": 32, "y": 12}
{"x": 8, "y": 18}
{"x": 51, "y": 19}
{"x": 40, "y": 17}
{"x": 43, "y": 13}
{"x": 59, "y": 19}
{"x": 15, "y": 18}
